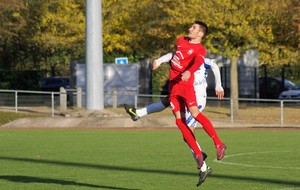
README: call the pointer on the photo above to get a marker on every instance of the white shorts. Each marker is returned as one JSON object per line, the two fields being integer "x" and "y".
{"x": 190, "y": 121}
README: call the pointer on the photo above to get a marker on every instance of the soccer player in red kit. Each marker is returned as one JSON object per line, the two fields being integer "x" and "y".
{"x": 187, "y": 59}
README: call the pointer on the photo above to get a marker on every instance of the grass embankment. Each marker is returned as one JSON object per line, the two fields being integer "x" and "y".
{"x": 6, "y": 117}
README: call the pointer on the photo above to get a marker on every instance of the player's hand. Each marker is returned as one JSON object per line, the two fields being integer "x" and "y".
{"x": 155, "y": 65}
{"x": 185, "y": 75}
{"x": 220, "y": 94}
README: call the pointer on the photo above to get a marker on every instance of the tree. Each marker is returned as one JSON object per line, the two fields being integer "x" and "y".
{"x": 11, "y": 20}
{"x": 58, "y": 30}
{"x": 54, "y": 34}
{"x": 283, "y": 49}
{"x": 237, "y": 26}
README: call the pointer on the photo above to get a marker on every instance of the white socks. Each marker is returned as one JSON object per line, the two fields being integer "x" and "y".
{"x": 152, "y": 108}
{"x": 204, "y": 167}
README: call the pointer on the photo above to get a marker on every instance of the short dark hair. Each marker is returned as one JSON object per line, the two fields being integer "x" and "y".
{"x": 203, "y": 26}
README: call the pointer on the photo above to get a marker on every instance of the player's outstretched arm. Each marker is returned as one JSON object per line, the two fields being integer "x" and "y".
{"x": 219, "y": 89}
{"x": 163, "y": 59}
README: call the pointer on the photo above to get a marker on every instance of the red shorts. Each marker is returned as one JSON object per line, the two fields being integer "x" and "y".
{"x": 181, "y": 96}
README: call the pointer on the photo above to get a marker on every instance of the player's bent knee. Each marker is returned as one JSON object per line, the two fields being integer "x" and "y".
{"x": 165, "y": 101}
{"x": 195, "y": 114}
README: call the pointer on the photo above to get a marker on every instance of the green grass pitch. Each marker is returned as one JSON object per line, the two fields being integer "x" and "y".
{"x": 146, "y": 159}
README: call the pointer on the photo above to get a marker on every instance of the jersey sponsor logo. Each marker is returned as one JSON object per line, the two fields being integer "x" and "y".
{"x": 175, "y": 61}
{"x": 200, "y": 82}
{"x": 179, "y": 54}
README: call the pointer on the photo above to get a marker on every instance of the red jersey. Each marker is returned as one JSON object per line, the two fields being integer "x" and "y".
{"x": 188, "y": 56}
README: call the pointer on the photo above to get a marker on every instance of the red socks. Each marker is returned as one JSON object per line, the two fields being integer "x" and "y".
{"x": 209, "y": 128}
{"x": 188, "y": 136}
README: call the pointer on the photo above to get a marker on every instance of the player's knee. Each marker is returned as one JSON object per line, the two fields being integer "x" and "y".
{"x": 192, "y": 129}
{"x": 195, "y": 114}
{"x": 165, "y": 101}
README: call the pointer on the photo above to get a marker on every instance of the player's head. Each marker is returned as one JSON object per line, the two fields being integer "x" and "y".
{"x": 198, "y": 30}
{"x": 203, "y": 27}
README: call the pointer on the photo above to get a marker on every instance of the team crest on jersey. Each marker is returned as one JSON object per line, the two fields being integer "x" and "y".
{"x": 190, "y": 52}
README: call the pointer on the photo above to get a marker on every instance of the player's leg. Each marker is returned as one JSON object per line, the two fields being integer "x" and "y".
{"x": 190, "y": 120}
{"x": 210, "y": 130}
{"x": 190, "y": 98}
{"x": 177, "y": 106}
{"x": 135, "y": 114}
{"x": 154, "y": 107}
{"x": 204, "y": 166}
{"x": 205, "y": 170}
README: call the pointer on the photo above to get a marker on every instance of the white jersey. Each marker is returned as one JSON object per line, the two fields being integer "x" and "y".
{"x": 200, "y": 82}
{"x": 200, "y": 85}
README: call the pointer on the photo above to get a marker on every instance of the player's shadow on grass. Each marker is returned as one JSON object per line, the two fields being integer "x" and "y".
{"x": 130, "y": 169}
{"x": 29, "y": 179}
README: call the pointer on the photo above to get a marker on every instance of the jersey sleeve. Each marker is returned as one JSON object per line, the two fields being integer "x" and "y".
{"x": 215, "y": 69}
{"x": 198, "y": 61}
{"x": 165, "y": 58}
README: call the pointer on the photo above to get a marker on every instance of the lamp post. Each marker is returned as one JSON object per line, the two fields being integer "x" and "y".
{"x": 94, "y": 56}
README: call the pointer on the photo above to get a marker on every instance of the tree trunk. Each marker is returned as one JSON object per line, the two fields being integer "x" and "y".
{"x": 234, "y": 88}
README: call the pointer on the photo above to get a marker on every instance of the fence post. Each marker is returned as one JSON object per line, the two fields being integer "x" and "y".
{"x": 114, "y": 97}
{"x": 63, "y": 100}
{"x": 281, "y": 113}
{"x": 16, "y": 101}
{"x": 52, "y": 104}
{"x": 231, "y": 110}
{"x": 79, "y": 97}
{"x": 135, "y": 100}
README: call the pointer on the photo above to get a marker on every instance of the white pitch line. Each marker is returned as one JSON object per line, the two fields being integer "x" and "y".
{"x": 254, "y": 166}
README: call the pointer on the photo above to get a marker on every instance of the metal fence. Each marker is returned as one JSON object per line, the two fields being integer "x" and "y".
{"x": 40, "y": 101}
{"x": 258, "y": 112}
{"x": 255, "y": 111}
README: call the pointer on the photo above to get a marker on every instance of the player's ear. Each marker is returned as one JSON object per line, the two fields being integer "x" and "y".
{"x": 201, "y": 33}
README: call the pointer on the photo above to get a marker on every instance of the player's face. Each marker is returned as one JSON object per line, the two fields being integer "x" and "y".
{"x": 194, "y": 31}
